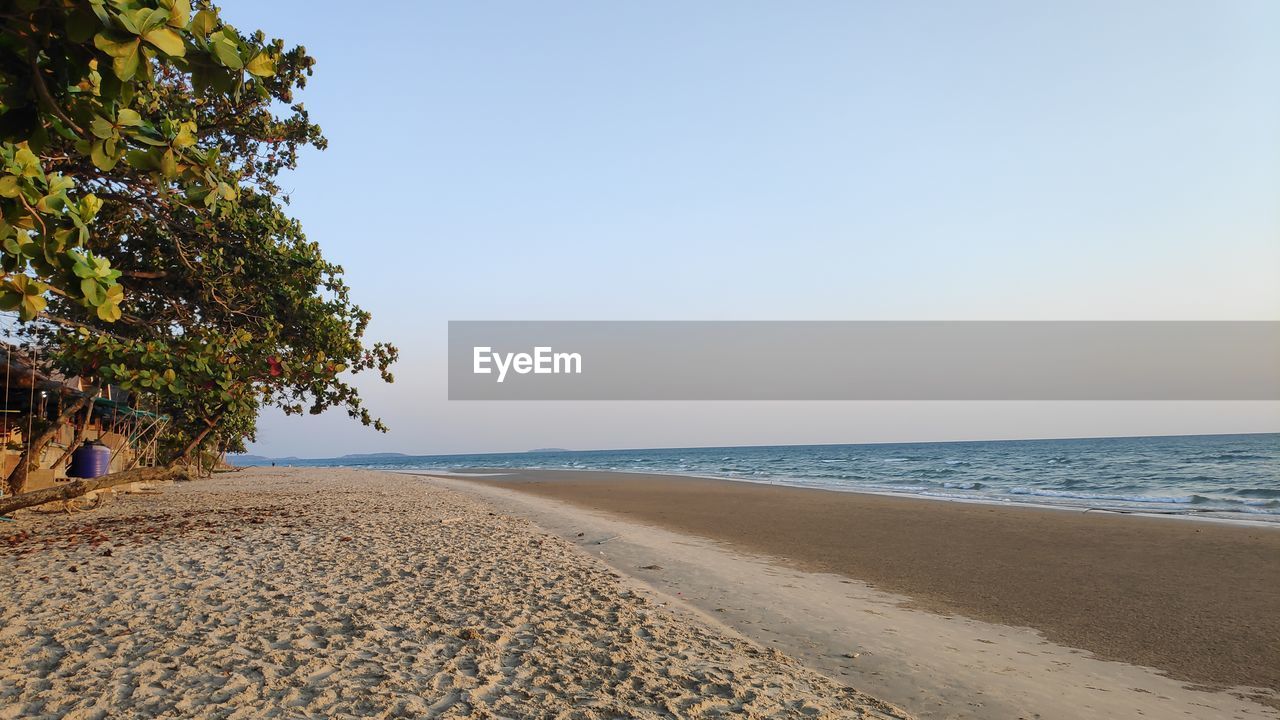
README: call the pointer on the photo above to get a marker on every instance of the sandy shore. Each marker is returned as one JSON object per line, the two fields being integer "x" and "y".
{"x": 1196, "y": 600}
{"x": 331, "y": 593}
{"x": 936, "y": 666}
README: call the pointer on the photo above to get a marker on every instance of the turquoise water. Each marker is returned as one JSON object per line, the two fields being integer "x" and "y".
{"x": 1182, "y": 474}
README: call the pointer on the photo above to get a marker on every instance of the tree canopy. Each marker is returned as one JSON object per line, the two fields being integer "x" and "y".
{"x": 144, "y": 235}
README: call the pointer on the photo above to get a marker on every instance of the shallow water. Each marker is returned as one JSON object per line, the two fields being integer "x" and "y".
{"x": 1218, "y": 473}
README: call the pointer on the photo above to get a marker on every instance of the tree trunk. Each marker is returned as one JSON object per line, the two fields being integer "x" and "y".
{"x": 74, "y": 489}
{"x": 195, "y": 442}
{"x": 36, "y": 446}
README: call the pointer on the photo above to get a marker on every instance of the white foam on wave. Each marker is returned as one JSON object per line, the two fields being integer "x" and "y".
{"x": 1172, "y": 499}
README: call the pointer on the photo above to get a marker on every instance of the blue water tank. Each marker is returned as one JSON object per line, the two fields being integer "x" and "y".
{"x": 90, "y": 460}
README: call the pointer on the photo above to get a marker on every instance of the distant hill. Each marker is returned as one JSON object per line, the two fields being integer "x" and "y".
{"x": 245, "y": 460}
{"x": 249, "y": 460}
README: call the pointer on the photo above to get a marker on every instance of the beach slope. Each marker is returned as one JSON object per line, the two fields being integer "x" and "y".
{"x": 337, "y": 593}
{"x": 1196, "y": 599}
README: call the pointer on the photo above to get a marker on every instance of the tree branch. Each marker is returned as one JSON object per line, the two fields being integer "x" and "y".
{"x": 42, "y": 90}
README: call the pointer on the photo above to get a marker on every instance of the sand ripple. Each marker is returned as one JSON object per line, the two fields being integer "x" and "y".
{"x": 331, "y": 593}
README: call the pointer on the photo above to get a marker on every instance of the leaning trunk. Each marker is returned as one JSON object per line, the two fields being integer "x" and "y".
{"x": 30, "y": 458}
{"x": 71, "y": 490}
{"x": 210, "y": 424}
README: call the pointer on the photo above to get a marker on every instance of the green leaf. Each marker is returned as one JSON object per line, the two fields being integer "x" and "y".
{"x": 115, "y": 44}
{"x": 100, "y": 11}
{"x": 130, "y": 20}
{"x": 169, "y": 165}
{"x": 92, "y": 291}
{"x": 148, "y": 140}
{"x": 128, "y": 118}
{"x": 59, "y": 183}
{"x": 81, "y": 25}
{"x": 101, "y": 158}
{"x": 109, "y": 312}
{"x": 167, "y": 40}
{"x": 186, "y": 136}
{"x": 89, "y": 204}
{"x": 126, "y": 66}
{"x": 27, "y": 162}
{"x": 101, "y": 127}
{"x": 52, "y": 203}
{"x": 203, "y": 23}
{"x": 262, "y": 65}
{"x": 179, "y": 13}
{"x": 9, "y": 186}
{"x": 227, "y": 53}
{"x": 39, "y": 138}
{"x": 141, "y": 160}
{"x": 31, "y": 306}
{"x": 149, "y": 20}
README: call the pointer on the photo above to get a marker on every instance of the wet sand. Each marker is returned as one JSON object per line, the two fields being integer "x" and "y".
{"x": 1195, "y": 599}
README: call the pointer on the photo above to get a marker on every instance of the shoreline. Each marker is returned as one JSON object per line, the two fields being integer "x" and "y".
{"x": 1194, "y": 600}
{"x": 1220, "y": 476}
{"x": 1237, "y": 517}
{"x": 937, "y": 667}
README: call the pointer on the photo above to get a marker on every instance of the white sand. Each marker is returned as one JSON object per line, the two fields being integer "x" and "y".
{"x": 331, "y": 593}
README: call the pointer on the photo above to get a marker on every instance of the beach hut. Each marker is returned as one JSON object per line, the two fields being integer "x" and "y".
{"x": 52, "y": 416}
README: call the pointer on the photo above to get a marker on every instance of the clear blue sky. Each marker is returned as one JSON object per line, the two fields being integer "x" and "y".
{"x": 750, "y": 160}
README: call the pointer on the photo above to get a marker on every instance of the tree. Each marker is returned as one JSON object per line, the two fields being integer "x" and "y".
{"x": 144, "y": 229}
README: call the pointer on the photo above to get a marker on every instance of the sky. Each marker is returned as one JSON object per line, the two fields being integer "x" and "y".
{"x": 843, "y": 160}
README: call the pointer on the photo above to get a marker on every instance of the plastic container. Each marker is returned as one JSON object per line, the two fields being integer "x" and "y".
{"x": 90, "y": 460}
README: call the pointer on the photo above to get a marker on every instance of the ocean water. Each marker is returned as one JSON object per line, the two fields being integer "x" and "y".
{"x": 1178, "y": 474}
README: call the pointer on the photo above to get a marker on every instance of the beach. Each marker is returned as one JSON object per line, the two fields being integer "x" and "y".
{"x": 729, "y": 361}
{"x": 340, "y": 593}
{"x": 1193, "y": 600}
{"x": 330, "y": 592}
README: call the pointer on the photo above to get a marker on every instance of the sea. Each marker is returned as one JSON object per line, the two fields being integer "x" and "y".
{"x": 1237, "y": 475}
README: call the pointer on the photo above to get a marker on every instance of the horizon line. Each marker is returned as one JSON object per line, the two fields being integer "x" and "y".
{"x": 784, "y": 445}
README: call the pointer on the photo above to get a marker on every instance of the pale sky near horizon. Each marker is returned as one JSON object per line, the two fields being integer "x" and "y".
{"x": 770, "y": 161}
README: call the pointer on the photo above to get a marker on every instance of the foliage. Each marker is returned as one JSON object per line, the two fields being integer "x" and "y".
{"x": 143, "y": 222}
